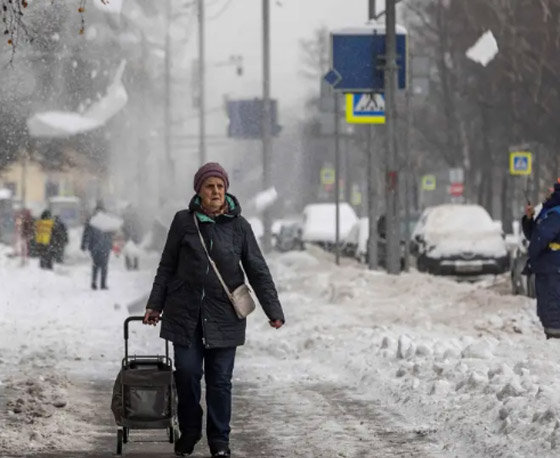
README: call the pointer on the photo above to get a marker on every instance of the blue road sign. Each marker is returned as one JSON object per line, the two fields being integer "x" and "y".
{"x": 520, "y": 163}
{"x": 358, "y": 57}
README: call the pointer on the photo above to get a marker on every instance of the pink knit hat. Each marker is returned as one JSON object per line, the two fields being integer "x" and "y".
{"x": 211, "y": 169}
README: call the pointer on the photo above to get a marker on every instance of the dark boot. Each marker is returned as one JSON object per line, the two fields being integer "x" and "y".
{"x": 185, "y": 445}
{"x": 220, "y": 451}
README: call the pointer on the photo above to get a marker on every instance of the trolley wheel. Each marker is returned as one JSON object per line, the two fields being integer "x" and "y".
{"x": 120, "y": 436}
{"x": 126, "y": 432}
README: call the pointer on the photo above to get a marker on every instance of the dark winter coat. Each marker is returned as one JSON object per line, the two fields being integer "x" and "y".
{"x": 97, "y": 242}
{"x": 543, "y": 234}
{"x": 59, "y": 236}
{"x": 186, "y": 288}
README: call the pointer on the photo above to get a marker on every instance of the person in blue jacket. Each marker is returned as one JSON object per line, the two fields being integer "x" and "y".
{"x": 543, "y": 233}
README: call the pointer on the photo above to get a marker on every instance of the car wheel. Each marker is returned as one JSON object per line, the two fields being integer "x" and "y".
{"x": 422, "y": 264}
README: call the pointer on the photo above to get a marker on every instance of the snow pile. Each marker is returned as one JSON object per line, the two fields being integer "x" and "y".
{"x": 443, "y": 353}
{"x": 319, "y": 224}
{"x": 484, "y": 50}
{"x": 43, "y": 413}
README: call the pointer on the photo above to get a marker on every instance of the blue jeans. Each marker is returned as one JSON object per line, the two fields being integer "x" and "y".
{"x": 218, "y": 372}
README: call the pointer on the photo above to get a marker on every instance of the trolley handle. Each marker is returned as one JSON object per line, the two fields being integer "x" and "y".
{"x": 126, "y": 335}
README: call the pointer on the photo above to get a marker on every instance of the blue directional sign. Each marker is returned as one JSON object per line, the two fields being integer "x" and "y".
{"x": 520, "y": 163}
{"x": 358, "y": 57}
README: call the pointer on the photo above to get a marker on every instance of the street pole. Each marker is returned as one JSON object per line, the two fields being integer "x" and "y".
{"x": 372, "y": 202}
{"x": 169, "y": 179}
{"x": 201, "y": 83}
{"x": 407, "y": 174}
{"x": 266, "y": 122}
{"x": 392, "y": 176}
{"x": 337, "y": 175}
{"x": 372, "y": 252}
{"x": 24, "y": 153}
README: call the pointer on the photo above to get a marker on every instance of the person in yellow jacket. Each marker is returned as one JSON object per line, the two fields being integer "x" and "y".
{"x": 43, "y": 238}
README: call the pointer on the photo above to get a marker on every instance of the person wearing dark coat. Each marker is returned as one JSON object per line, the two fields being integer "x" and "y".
{"x": 99, "y": 244}
{"x": 59, "y": 239}
{"x": 543, "y": 233}
{"x": 198, "y": 318}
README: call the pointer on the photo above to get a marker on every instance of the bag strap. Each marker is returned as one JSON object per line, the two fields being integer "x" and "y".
{"x": 212, "y": 263}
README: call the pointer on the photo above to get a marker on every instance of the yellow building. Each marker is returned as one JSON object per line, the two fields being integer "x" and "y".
{"x": 39, "y": 184}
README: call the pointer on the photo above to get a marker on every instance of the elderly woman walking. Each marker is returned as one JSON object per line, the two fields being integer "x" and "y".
{"x": 196, "y": 287}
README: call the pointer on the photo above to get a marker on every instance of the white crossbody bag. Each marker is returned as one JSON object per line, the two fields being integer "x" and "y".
{"x": 241, "y": 299}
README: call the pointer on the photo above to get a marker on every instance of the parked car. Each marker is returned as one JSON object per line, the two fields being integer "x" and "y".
{"x": 288, "y": 237}
{"x": 319, "y": 223}
{"x": 356, "y": 243}
{"x": 455, "y": 239}
{"x": 68, "y": 208}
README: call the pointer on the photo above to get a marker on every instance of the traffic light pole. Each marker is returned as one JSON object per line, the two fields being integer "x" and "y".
{"x": 392, "y": 175}
{"x": 202, "y": 84}
{"x": 266, "y": 123}
{"x": 337, "y": 174}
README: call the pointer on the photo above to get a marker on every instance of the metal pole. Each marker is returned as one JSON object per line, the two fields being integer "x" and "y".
{"x": 201, "y": 83}
{"x": 24, "y": 178}
{"x": 337, "y": 175}
{"x": 266, "y": 121}
{"x": 373, "y": 263}
{"x": 392, "y": 177}
{"x": 169, "y": 181}
{"x": 407, "y": 177}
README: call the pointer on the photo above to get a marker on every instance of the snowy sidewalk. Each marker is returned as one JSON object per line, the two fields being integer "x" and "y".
{"x": 367, "y": 365}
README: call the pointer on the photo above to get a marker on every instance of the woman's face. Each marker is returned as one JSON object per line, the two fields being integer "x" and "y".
{"x": 213, "y": 193}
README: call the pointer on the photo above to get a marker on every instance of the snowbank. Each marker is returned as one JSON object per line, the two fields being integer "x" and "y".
{"x": 464, "y": 364}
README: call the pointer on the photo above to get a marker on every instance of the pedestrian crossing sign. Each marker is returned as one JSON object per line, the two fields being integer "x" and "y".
{"x": 428, "y": 183}
{"x": 520, "y": 163}
{"x": 366, "y": 108}
{"x": 327, "y": 176}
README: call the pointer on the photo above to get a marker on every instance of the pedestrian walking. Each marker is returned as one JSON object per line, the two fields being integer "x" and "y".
{"x": 99, "y": 244}
{"x": 59, "y": 239}
{"x": 543, "y": 233}
{"x": 132, "y": 234}
{"x": 198, "y": 314}
{"x": 43, "y": 239}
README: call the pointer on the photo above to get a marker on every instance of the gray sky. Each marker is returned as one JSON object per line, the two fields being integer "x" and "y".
{"x": 239, "y": 30}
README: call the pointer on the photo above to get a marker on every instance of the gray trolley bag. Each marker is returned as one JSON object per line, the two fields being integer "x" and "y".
{"x": 144, "y": 394}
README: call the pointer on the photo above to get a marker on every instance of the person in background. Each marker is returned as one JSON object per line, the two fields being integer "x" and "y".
{"x": 132, "y": 234}
{"x": 99, "y": 244}
{"x": 43, "y": 239}
{"x": 59, "y": 239}
{"x": 543, "y": 233}
{"x": 198, "y": 316}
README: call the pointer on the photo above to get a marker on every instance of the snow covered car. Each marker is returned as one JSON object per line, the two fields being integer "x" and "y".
{"x": 288, "y": 236}
{"x": 457, "y": 239}
{"x": 319, "y": 223}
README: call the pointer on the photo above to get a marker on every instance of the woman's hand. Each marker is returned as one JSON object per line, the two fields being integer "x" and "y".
{"x": 276, "y": 324}
{"x": 529, "y": 211}
{"x": 151, "y": 317}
